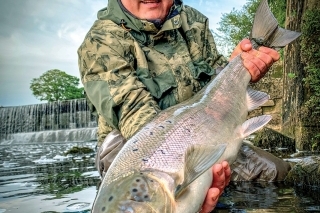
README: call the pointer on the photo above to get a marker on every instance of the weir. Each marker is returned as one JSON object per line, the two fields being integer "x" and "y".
{"x": 60, "y": 121}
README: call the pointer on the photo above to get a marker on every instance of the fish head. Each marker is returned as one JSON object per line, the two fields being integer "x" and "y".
{"x": 136, "y": 193}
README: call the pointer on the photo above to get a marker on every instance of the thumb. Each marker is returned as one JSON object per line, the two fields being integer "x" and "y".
{"x": 243, "y": 46}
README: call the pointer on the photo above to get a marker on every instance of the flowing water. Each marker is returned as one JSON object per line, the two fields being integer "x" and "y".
{"x": 40, "y": 178}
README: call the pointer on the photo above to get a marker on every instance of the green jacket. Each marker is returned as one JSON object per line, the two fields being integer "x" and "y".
{"x": 131, "y": 70}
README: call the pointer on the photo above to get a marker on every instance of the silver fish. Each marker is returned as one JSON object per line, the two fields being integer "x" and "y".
{"x": 154, "y": 170}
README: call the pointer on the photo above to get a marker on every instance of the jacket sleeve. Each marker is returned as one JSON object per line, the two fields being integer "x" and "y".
{"x": 106, "y": 63}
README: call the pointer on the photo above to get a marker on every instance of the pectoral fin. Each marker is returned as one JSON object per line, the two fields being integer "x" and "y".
{"x": 199, "y": 158}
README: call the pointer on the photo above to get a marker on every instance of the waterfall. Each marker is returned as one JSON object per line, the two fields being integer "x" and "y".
{"x": 50, "y": 122}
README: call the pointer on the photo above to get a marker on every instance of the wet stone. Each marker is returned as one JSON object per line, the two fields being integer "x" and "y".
{"x": 305, "y": 173}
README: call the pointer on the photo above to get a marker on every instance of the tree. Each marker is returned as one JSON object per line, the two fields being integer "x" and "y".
{"x": 236, "y": 25}
{"x": 56, "y": 85}
{"x": 300, "y": 112}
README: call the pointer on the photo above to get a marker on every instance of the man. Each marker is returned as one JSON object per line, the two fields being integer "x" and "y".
{"x": 142, "y": 56}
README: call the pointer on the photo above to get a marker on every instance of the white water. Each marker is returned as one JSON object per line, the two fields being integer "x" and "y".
{"x": 61, "y": 121}
{"x": 65, "y": 135}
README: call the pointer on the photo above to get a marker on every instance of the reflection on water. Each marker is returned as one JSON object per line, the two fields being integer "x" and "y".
{"x": 39, "y": 178}
{"x": 268, "y": 197}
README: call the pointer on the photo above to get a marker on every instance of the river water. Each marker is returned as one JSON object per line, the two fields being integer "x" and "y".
{"x": 40, "y": 178}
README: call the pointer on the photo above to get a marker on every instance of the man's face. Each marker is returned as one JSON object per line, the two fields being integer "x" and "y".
{"x": 148, "y": 9}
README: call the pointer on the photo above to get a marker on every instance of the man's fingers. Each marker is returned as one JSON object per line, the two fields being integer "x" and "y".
{"x": 254, "y": 71}
{"x": 271, "y": 52}
{"x": 227, "y": 172}
{"x": 218, "y": 177}
{"x": 244, "y": 45}
{"x": 266, "y": 60}
{"x": 211, "y": 200}
{"x": 258, "y": 61}
{"x": 221, "y": 178}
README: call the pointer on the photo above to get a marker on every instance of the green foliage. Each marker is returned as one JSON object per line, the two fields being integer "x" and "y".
{"x": 236, "y": 25}
{"x": 56, "y": 85}
{"x": 292, "y": 75}
{"x": 310, "y": 54}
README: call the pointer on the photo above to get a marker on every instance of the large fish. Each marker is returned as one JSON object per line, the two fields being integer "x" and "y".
{"x": 154, "y": 170}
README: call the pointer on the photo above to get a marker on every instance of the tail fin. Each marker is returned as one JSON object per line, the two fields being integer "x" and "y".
{"x": 266, "y": 31}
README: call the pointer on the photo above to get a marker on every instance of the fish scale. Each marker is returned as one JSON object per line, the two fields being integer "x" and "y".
{"x": 172, "y": 154}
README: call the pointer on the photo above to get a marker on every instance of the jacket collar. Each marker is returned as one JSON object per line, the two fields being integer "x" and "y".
{"x": 138, "y": 28}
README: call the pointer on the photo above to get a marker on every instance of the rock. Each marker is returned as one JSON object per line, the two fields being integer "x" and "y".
{"x": 79, "y": 150}
{"x": 305, "y": 173}
{"x": 275, "y": 142}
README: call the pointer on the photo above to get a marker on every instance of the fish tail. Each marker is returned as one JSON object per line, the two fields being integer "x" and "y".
{"x": 266, "y": 31}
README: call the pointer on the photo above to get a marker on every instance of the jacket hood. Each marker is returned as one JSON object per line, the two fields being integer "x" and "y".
{"x": 120, "y": 15}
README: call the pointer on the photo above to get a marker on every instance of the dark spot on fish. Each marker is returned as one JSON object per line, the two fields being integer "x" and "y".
{"x": 137, "y": 180}
{"x": 110, "y": 198}
{"x": 135, "y": 141}
{"x": 143, "y": 187}
{"x": 135, "y": 150}
{"x": 134, "y": 190}
{"x": 168, "y": 121}
{"x": 145, "y": 160}
{"x": 103, "y": 208}
{"x": 162, "y": 151}
{"x": 151, "y": 133}
{"x": 146, "y": 197}
{"x": 138, "y": 196}
{"x": 161, "y": 127}
{"x": 187, "y": 129}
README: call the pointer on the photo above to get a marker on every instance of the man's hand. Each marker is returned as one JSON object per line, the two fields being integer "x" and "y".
{"x": 258, "y": 61}
{"x": 221, "y": 178}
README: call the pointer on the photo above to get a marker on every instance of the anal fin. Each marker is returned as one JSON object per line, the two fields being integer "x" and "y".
{"x": 253, "y": 124}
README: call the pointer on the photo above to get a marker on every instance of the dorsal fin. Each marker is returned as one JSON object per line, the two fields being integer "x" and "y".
{"x": 255, "y": 98}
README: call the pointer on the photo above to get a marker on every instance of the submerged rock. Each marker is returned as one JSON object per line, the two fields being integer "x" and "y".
{"x": 79, "y": 150}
